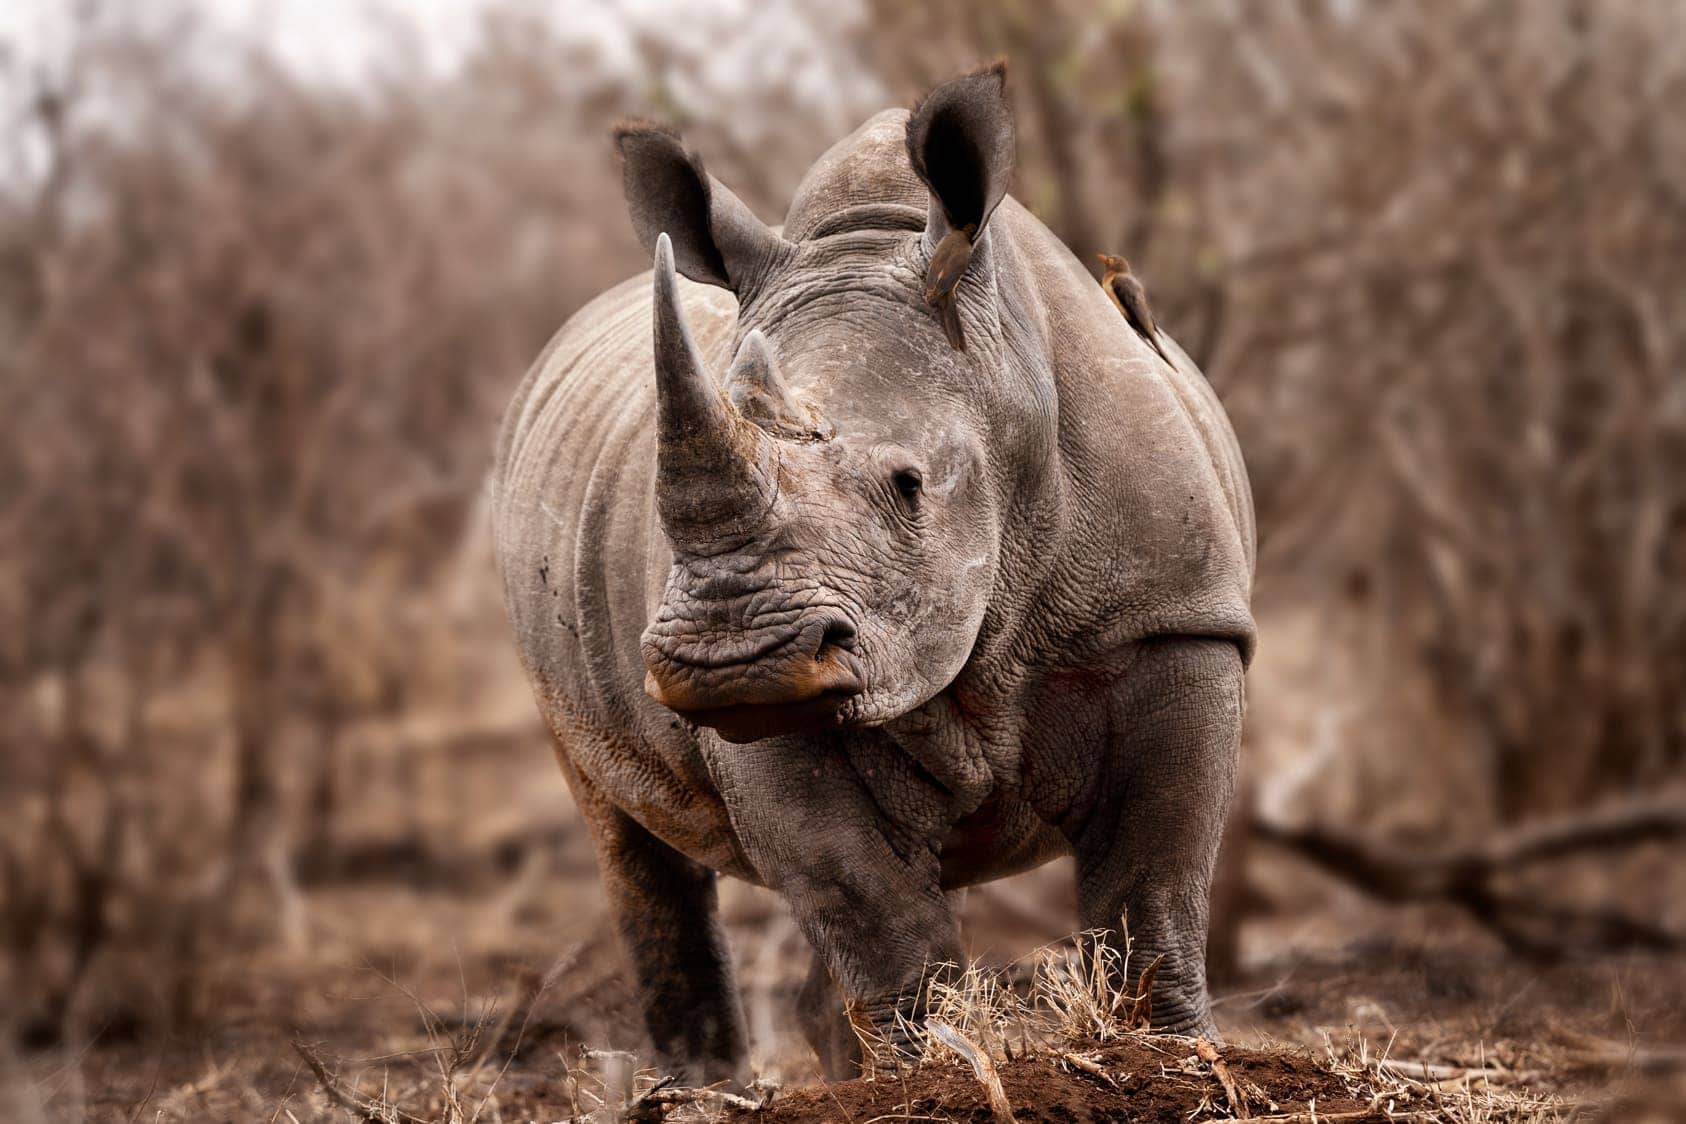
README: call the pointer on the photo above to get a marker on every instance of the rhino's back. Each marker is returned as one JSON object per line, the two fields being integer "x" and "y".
{"x": 1162, "y": 533}
{"x": 583, "y": 560}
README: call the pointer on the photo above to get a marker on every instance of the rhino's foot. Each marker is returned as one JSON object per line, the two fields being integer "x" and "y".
{"x": 1180, "y": 1003}
{"x": 888, "y": 1030}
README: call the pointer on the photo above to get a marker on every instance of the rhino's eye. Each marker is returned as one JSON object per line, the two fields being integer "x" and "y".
{"x": 908, "y": 482}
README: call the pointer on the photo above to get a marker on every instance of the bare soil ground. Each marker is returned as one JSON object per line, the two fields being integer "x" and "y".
{"x": 398, "y": 979}
{"x": 473, "y": 993}
{"x": 1144, "y": 1079}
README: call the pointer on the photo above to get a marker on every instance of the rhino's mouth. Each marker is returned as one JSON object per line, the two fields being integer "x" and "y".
{"x": 751, "y": 722}
{"x": 801, "y": 685}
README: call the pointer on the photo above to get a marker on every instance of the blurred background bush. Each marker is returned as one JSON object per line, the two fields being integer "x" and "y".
{"x": 265, "y": 288}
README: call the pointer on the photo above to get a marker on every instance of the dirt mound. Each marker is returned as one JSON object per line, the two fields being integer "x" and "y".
{"x": 1139, "y": 1079}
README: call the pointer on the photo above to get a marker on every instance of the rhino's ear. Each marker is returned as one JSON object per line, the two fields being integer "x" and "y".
{"x": 716, "y": 239}
{"x": 960, "y": 142}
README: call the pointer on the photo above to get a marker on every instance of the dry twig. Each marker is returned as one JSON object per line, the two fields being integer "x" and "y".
{"x": 365, "y": 1108}
{"x": 1208, "y": 1053}
{"x": 1141, "y": 1013}
{"x": 1087, "y": 1065}
{"x": 983, "y": 1068}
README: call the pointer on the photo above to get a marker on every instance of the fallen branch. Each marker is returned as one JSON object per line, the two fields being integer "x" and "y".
{"x": 1652, "y": 1061}
{"x": 1655, "y": 1062}
{"x": 983, "y": 1068}
{"x": 706, "y": 1095}
{"x": 1438, "y": 1074}
{"x": 1615, "y": 825}
{"x": 646, "y": 1107}
{"x": 1464, "y": 876}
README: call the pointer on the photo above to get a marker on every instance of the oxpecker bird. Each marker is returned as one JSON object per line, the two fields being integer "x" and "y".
{"x": 948, "y": 265}
{"x": 1127, "y": 293}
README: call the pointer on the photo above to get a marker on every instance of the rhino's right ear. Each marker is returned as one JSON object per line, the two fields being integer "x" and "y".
{"x": 716, "y": 239}
{"x": 960, "y": 143}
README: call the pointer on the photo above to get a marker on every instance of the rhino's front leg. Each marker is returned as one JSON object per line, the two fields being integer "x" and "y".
{"x": 665, "y": 910}
{"x": 846, "y": 830}
{"x": 825, "y": 1022}
{"x": 1147, "y": 839}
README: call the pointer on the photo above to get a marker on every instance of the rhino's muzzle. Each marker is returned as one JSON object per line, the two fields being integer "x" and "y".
{"x": 799, "y": 686}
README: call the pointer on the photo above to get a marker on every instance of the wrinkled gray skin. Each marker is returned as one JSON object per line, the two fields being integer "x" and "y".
{"x": 920, "y": 618}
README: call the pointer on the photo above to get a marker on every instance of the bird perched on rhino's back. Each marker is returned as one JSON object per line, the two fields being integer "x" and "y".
{"x": 1129, "y": 295}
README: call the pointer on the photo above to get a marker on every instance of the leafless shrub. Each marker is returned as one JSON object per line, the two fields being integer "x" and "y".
{"x": 261, "y": 338}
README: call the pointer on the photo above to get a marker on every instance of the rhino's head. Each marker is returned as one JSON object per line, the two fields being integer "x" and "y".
{"x": 835, "y": 501}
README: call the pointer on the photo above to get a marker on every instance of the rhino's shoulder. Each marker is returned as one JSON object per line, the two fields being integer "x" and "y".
{"x": 1161, "y": 536}
{"x": 606, "y": 340}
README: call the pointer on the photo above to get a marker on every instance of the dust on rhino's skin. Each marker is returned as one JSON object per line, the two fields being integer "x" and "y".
{"x": 811, "y": 598}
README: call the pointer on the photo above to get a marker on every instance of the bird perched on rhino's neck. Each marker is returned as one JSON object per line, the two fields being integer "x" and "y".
{"x": 1131, "y": 298}
{"x": 948, "y": 264}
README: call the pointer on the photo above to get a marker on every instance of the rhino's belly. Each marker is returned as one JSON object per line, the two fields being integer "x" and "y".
{"x": 1003, "y": 837}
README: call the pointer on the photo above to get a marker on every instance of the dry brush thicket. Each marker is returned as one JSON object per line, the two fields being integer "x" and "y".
{"x": 255, "y": 333}
{"x": 258, "y": 337}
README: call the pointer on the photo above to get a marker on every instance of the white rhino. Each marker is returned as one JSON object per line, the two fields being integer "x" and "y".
{"x": 812, "y": 598}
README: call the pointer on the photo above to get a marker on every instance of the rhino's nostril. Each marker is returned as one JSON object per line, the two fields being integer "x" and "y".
{"x": 838, "y": 633}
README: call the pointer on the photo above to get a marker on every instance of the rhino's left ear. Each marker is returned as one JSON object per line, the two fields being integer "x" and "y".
{"x": 960, "y": 142}
{"x": 716, "y": 239}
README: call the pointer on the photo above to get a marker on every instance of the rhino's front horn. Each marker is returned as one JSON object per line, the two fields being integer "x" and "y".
{"x": 710, "y": 484}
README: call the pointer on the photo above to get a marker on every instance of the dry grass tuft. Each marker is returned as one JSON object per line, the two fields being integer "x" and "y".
{"x": 1077, "y": 1002}
{"x": 980, "y": 1004}
{"x": 1081, "y": 987}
